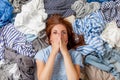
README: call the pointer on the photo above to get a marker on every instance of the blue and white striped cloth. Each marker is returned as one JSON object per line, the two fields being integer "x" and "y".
{"x": 91, "y": 27}
{"x": 93, "y": 44}
{"x": 11, "y": 38}
{"x": 111, "y": 11}
{"x": 62, "y": 7}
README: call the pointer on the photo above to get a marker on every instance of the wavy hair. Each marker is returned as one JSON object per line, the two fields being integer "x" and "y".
{"x": 58, "y": 19}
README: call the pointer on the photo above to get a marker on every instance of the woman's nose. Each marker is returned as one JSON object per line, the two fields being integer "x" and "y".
{"x": 59, "y": 34}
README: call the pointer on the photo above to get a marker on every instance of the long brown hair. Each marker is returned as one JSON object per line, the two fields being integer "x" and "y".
{"x": 57, "y": 19}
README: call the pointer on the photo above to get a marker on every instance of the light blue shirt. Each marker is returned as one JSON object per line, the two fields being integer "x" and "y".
{"x": 59, "y": 72}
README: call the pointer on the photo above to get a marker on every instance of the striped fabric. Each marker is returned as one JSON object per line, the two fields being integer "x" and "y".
{"x": 62, "y": 7}
{"x": 91, "y": 27}
{"x": 94, "y": 44}
{"x": 92, "y": 24}
{"x": 111, "y": 11}
{"x": 1, "y": 46}
{"x": 11, "y": 38}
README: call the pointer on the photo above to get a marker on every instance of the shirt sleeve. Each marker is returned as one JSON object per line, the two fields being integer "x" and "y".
{"x": 76, "y": 58}
{"x": 40, "y": 56}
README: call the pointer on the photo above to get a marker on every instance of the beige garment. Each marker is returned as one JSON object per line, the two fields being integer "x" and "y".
{"x": 71, "y": 19}
{"x": 93, "y": 73}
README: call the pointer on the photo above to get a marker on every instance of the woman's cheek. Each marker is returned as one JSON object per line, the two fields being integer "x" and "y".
{"x": 66, "y": 41}
{"x": 52, "y": 40}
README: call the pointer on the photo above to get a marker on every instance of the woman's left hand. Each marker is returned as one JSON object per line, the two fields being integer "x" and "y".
{"x": 63, "y": 45}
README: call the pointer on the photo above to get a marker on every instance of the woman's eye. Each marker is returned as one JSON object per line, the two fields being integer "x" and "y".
{"x": 54, "y": 32}
{"x": 64, "y": 32}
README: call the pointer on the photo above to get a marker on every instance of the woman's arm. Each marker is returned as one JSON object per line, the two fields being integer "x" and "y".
{"x": 71, "y": 70}
{"x": 44, "y": 71}
{"x": 77, "y": 68}
{"x": 40, "y": 66}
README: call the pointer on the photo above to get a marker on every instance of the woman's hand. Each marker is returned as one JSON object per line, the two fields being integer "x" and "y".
{"x": 59, "y": 44}
{"x": 55, "y": 45}
{"x": 63, "y": 45}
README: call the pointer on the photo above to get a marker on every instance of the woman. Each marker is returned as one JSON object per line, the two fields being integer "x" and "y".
{"x": 59, "y": 61}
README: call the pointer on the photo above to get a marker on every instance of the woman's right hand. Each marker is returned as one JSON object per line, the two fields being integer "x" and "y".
{"x": 55, "y": 45}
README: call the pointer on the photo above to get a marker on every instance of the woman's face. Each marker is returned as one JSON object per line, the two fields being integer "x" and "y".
{"x": 59, "y": 31}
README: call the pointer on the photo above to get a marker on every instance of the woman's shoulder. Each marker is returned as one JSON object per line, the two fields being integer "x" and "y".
{"x": 76, "y": 57}
{"x": 74, "y": 52}
{"x": 43, "y": 54}
{"x": 45, "y": 50}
